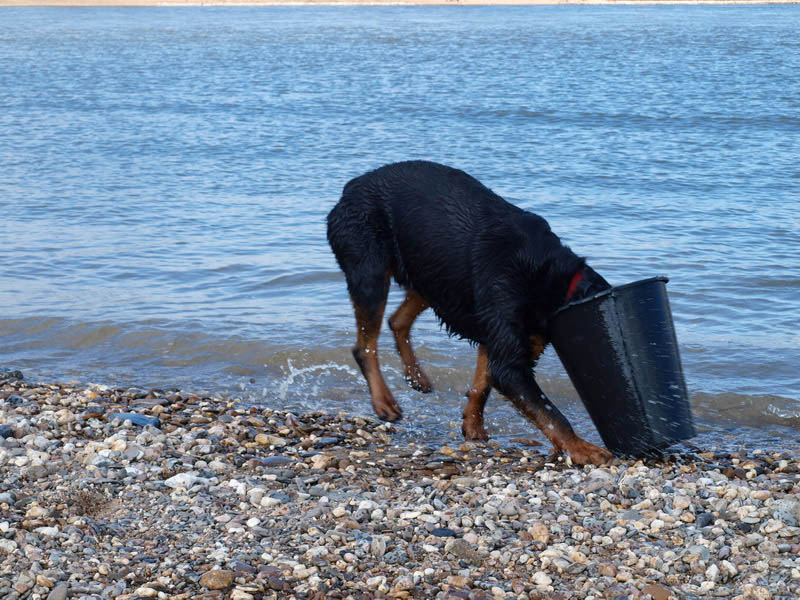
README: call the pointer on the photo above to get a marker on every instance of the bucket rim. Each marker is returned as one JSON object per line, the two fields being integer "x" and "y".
{"x": 610, "y": 291}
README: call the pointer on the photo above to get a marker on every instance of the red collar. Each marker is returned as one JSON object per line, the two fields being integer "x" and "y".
{"x": 573, "y": 285}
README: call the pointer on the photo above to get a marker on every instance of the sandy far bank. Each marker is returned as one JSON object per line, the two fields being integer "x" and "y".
{"x": 85, "y": 3}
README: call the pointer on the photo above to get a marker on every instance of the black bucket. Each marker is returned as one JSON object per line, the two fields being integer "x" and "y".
{"x": 620, "y": 351}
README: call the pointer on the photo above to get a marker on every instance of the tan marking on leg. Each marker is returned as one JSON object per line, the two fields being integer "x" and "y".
{"x": 538, "y": 344}
{"x": 557, "y": 429}
{"x": 472, "y": 426}
{"x": 400, "y": 323}
{"x": 365, "y": 352}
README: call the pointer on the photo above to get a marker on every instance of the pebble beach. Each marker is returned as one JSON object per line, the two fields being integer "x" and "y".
{"x": 133, "y": 493}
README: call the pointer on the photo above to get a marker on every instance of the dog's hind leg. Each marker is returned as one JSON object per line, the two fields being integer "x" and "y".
{"x": 357, "y": 234}
{"x": 369, "y": 301}
{"x": 400, "y": 324}
{"x": 472, "y": 425}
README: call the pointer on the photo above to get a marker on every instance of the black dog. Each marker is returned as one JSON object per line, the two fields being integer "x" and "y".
{"x": 492, "y": 272}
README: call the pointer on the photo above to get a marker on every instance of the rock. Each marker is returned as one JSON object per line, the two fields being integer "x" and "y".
{"x": 217, "y": 579}
{"x": 276, "y": 583}
{"x": 508, "y": 509}
{"x": 526, "y": 442}
{"x": 657, "y": 592}
{"x": 458, "y": 581}
{"x": 378, "y": 546}
{"x": 59, "y": 592}
{"x": 634, "y": 515}
{"x": 321, "y": 461}
{"x": 788, "y": 511}
{"x": 47, "y": 531}
{"x": 443, "y": 532}
{"x": 327, "y": 441}
{"x": 681, "y": 502}
{"x": 541, "y": 579}
{"x": 23, "y": 583}
{"x": 704, "y": 520}
{"x": 136, "y": 419}
{"x": 8, "y": 374}
{"x": 395, "y": 557}
{"x": 700, "y": 551}
{"x": 277, "y": 461}
{"x": 756, "y": 592}
{"x": 219, "y": 467}
{"x": 263, "y": 439}
{"x": 607, "y": 570}
{"x": 734, "y": 473}
{"x": 403, "y": 583}
{"x": 540, "y": 532}
{"x": 463, "y": 550}
{"x": 184, "y": 480}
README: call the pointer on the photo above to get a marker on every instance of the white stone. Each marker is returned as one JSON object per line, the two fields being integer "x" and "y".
{"x": 269, "y": 501}
{"x": 378, "y": 546}
{"x": 367, "y": 505}
{"x": 772, "y": 526}
{"x": 183, "y": 480}
{"x": 301, "y": 572}
{"x": 616, "y": 533}
{"x": 681, "y": 502}
{"x": 656, "y": 525}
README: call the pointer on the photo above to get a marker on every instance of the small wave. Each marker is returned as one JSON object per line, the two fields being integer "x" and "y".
{"x": 296, "y": 374}
{"x": 779, "y": 413}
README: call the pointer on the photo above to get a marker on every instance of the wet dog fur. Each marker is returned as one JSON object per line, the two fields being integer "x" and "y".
{"x": 492, "y": 272}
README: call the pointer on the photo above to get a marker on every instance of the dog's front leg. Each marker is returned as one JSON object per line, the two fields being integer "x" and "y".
{"x": 555, "y": 426}
{"x": 516, "y": 382}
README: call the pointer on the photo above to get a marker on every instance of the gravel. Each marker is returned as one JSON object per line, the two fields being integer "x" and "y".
{"x": 129, "y": 493}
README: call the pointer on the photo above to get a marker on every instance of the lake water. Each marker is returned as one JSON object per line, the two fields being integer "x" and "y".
{"x": 165, "y": 176}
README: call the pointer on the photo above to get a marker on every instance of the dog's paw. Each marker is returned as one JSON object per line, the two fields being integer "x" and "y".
{"x": 473, "y": 430}
{"x": 419, "y": 381}
{"x": 582, "y": 452}
{"x": 386, "y": 408}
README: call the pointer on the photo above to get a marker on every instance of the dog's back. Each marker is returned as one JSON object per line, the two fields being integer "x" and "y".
{"x": 441, "y": 233}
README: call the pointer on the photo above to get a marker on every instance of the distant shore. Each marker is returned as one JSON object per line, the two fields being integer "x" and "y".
{"x": 85, "y": 3}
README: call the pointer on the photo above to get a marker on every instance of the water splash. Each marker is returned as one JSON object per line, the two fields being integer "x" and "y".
{"x": 301, "y": 374}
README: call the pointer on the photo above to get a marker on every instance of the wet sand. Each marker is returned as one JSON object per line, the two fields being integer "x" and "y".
{"x": 132, "y": 493}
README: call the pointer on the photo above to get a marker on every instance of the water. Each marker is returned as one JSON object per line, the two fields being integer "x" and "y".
{"x": 165, "y": 174}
